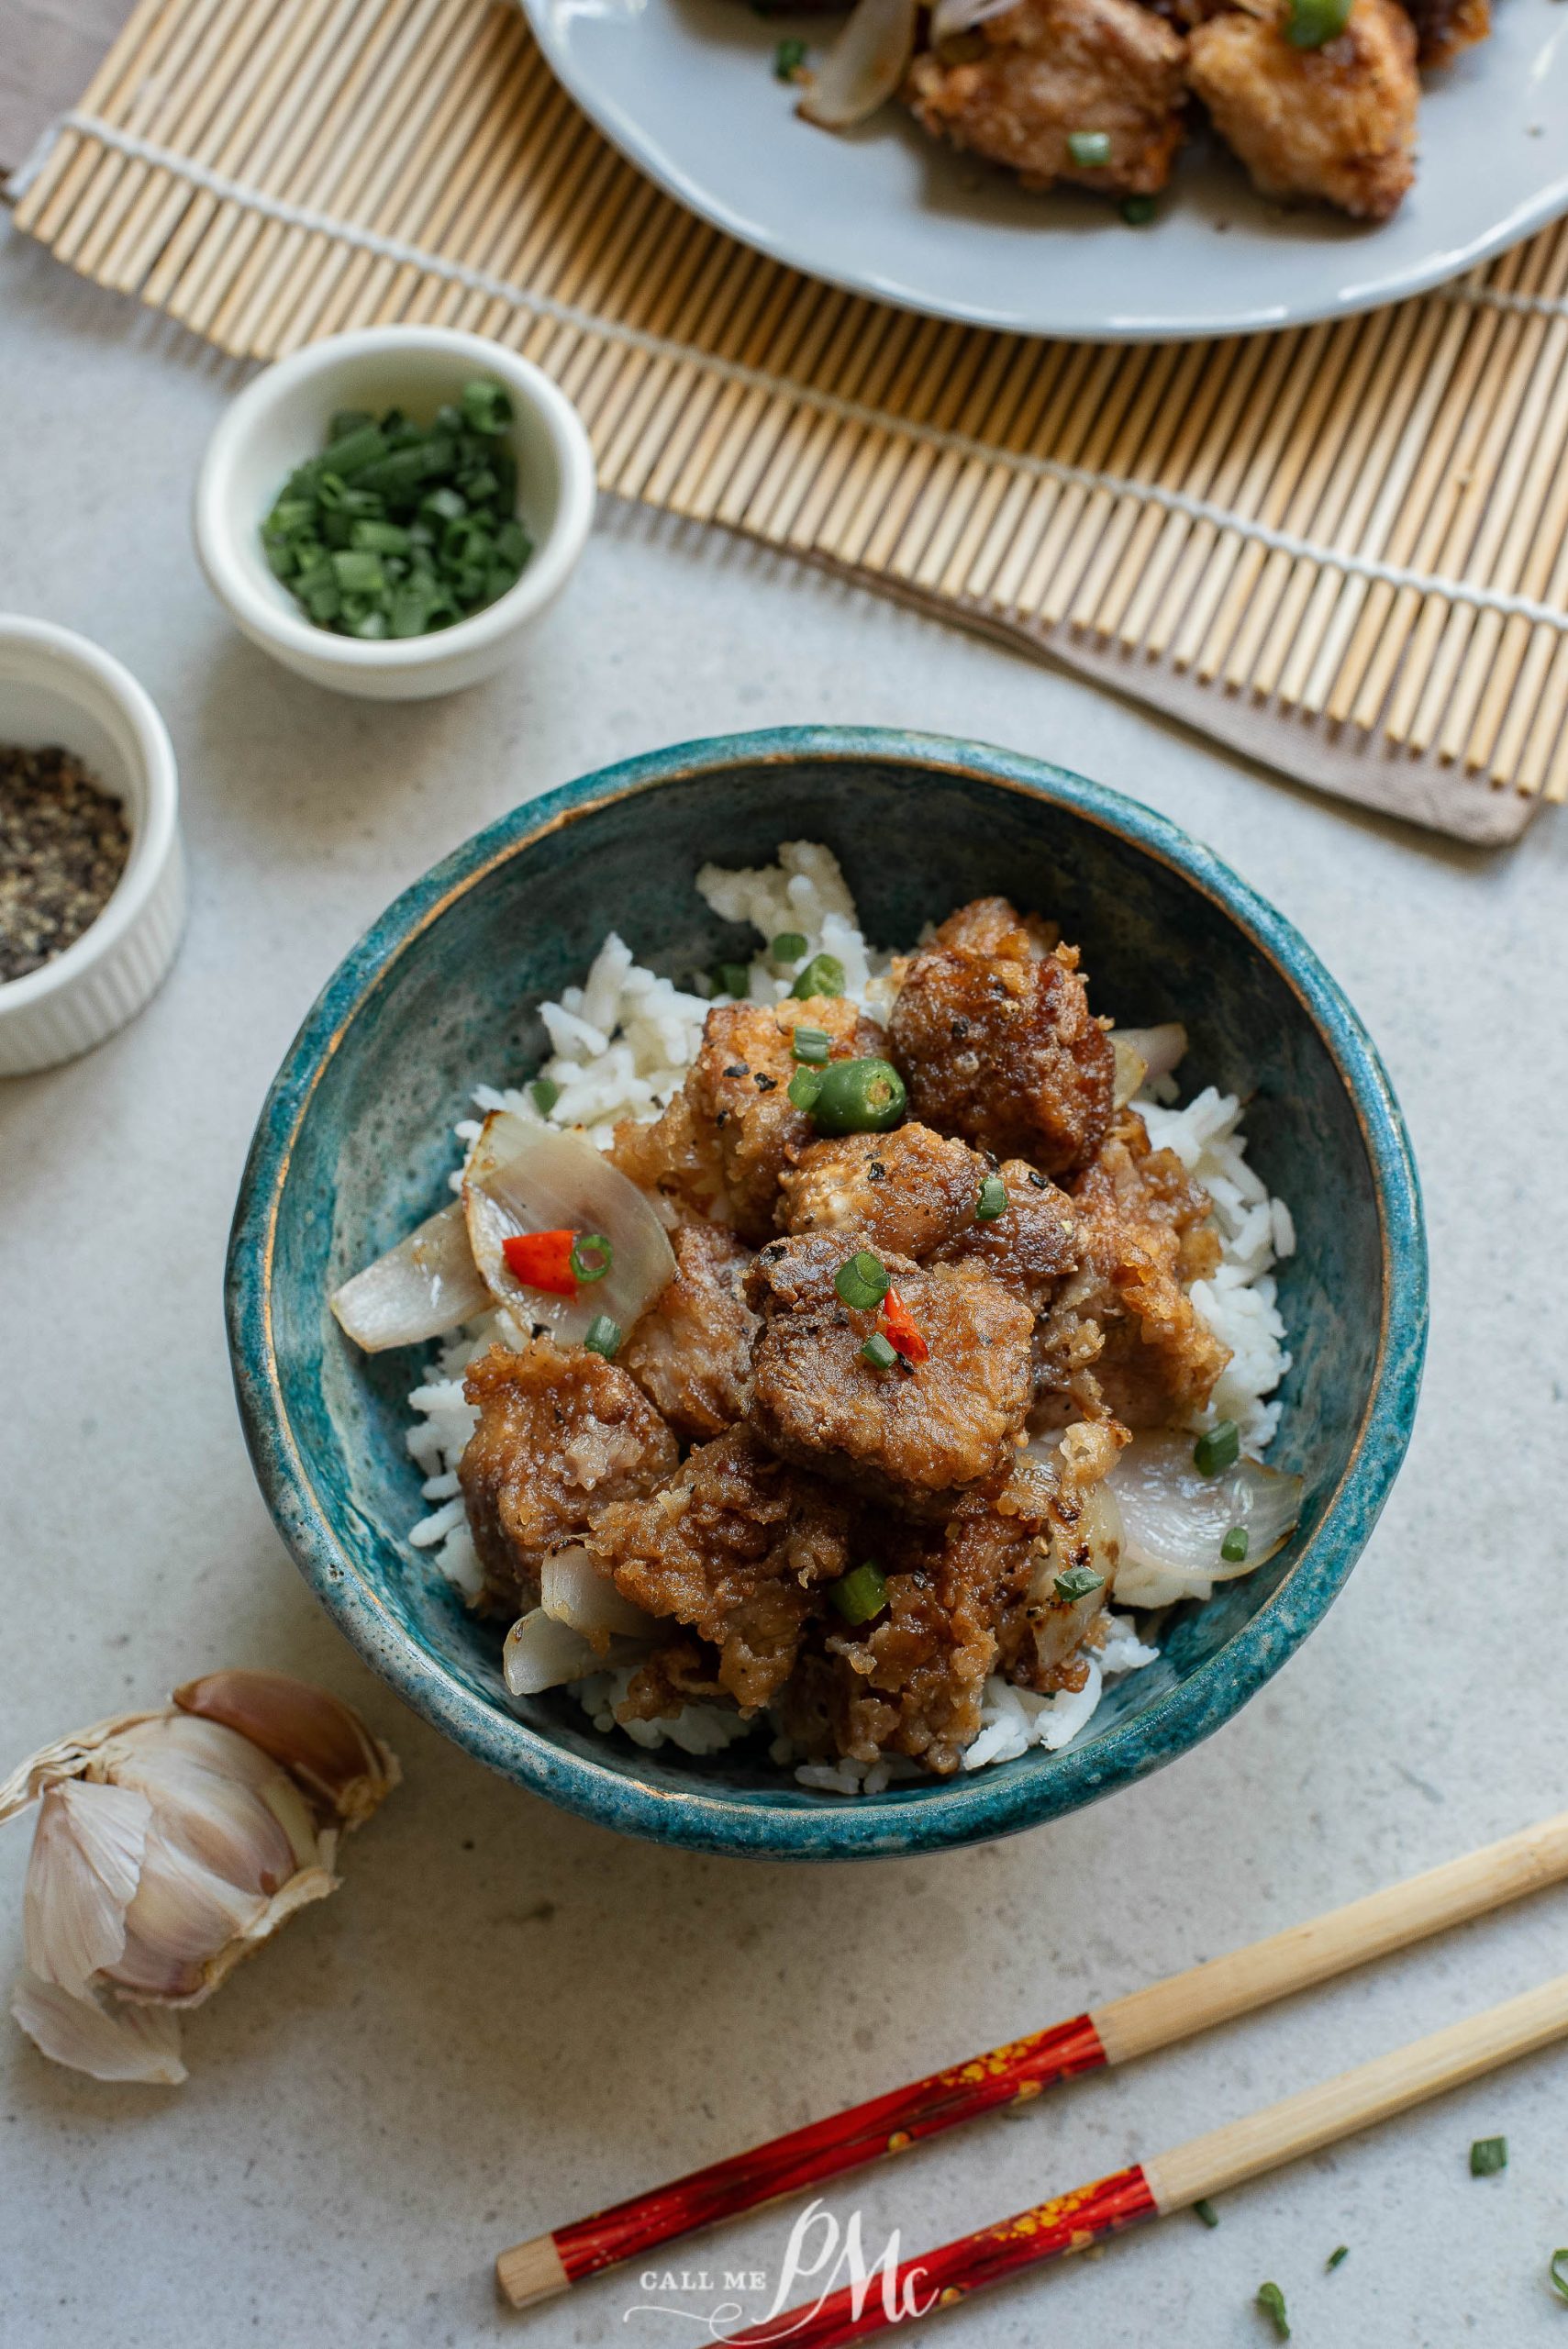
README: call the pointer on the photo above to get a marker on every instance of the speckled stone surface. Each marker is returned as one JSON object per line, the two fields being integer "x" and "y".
{"x": 509, "y": 2016}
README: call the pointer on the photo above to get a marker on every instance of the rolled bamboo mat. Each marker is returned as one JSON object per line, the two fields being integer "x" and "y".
{"x": 1342, "y": 549}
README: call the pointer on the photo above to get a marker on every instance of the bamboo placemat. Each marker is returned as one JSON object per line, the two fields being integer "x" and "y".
{"x": 1343, "y": 548}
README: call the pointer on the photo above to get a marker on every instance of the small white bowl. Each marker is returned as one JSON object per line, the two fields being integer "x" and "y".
{"x": 56, "y": 689}
{"x": 281, "y": 419}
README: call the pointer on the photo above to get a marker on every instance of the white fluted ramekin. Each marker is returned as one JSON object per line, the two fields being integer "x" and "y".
{"x": 280, "y": 418}
{"x": 58, "y": 689}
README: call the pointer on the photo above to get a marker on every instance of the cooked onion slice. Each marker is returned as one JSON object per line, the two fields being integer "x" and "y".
{"x": 950, "y": 17}
{"x": 864, "y": 66}
{"x": 426, "y": 1286}
{"x": 541, "y": 1653}
{"x": 1144, "y": 1056}
{"x": 522, "y": 1177}
{"x": 1173, "y": 1520}
{"x": 573, "y": 1590}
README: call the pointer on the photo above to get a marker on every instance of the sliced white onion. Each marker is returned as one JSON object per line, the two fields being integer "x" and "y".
{"x": 522, "y": 1177}
{"x": 864, "y": 66}
{"x": 1162, "y": 1050}
{"x": 426, "y": 1286}
{"x": 541, "y": 1653}
{"x": 574, "y": 1591}
{"x": 1173, "y": 1520}
{"x": 950, "y": 17}
{"x": 1131, "y": 1072}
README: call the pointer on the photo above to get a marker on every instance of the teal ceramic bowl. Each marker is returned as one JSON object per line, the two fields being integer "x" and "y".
{"x": 354, "y": 1146}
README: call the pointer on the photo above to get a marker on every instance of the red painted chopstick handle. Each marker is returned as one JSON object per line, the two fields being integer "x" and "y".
{"x": 939, "y": 2279}
{"x": 823, "y": 2149}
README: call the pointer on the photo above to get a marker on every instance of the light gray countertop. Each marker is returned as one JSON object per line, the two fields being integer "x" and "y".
{"x": 508, "y": 2017}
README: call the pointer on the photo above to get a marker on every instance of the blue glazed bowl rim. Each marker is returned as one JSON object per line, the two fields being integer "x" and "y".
{"x": 794, "y": 1824}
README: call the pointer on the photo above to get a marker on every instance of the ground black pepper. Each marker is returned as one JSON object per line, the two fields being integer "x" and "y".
{"x": 63, "y": 845}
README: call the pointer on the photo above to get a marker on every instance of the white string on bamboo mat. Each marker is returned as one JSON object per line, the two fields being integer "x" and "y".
{"x": 1346, "y": 559}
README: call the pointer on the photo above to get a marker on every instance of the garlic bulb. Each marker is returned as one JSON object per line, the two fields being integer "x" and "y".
{"x": 168, "y": 1847}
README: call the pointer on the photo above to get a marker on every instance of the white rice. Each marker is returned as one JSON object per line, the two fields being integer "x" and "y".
{"x": 621, "y": 1044}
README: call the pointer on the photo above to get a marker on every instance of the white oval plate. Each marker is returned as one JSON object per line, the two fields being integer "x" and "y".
{"x": 684, "y": 88}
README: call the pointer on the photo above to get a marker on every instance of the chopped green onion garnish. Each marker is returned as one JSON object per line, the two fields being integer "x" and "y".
{"x": 823, "y": 975}
{"x": 346, "y": 420}
{"x": 788, "y": 58}
{"x": 1089, "y": 149}
{"x": 603, "y": 1337}
{"x": 1310, "y": 23}
{"x": 1217, "y": 1449}
{"x": 1138, "y": 210}
{"x": 812, "y": 1044}
{"x": 1233, "y": 1549}
{"x": 1336, "y": 2258}
{"x": 730, "y": 978}
{"x": 592, "y": 1256}
{"x": 544, "y": 1095}
{"x": 1488, "y": 2155}
{"x": 804, "y": 1087}
{"x": 1077, "y": 1583}
{"x": 788, "y": 946}
{"x": 485, "y": 409}
{"x": 1558, "y": 2271}
{"x": 1206, "y": 2212}
{"x": 1271, "y": 2299}
{"x": 859, "y": 1595}
{"x": 993, "y": 1200}
{"x": 862, "y": 1282}
{"x": 878, "y": 1352}
{"x": 858, "y": 1097}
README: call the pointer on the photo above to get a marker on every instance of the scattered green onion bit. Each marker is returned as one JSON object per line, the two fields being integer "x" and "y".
{"x": 1206, "y": 2212}
{"x": 992, "y": 1199}
{"x": 1336, "y": 2258}
{"x": 812, "y": 1044}
{"x": 804, "y": 1087}
{"x": 603, "y": 1337}
{"x": 1488, "y": 2155}
{"x": 1077, "y": 1583}
{"x": 592, "y": 1256}
{"x": 878, "y": 1352}
{"x": 1271, "y": 2299}
{"x": 1233, "y": 1549}
{"x": 1217, "y": 1449}
{"x": 1138, "y": 210}
{"x": 544, "y": 1095}
{"x": 1089, "y": 149}
{"x": 1558, "y": 2271}
{"x": 397, "y": 528}
{"x": 787, "y": 946}
{"x": 858, "y": 1097}
{"x": 823, "y": 975}
{"x": 788, "y": 58}
{"x": 1310, "y": 23}
{"x": 730, "y": 978}
{"x": 859, "y": 1595}
{"x": 862, "y": 1282}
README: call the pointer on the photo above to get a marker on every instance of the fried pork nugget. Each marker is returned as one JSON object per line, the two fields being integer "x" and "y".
{"x": 909, "y": 1190}
{"x": 691, "y": 1353}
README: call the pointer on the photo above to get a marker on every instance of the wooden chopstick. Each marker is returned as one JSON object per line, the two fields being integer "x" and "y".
{"x": 1158, "y": 2016}
{"x": 1176, "y": 2180}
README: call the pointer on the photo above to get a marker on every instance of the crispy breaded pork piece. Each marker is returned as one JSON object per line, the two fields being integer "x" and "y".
{"x": 910, "y": 1437}
{"x": 1053, "y": 68}
{"x": 1335, "y": 124}
{"x": 1123, "y": 1335}
{"x": 732, "y": 1130}
{"x": 734, "y": 1548}
{"x": 1445, "y": 27}
{"x": 1031, "y": 1246}
{"x": 908, "y": 1190}
{"x": 558, "y": 1435}
{"x": 994, "y": 1037}
{"x": 691, "y": 1353}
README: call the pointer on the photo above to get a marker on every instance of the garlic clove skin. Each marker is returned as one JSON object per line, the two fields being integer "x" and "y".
{"x": 107, "y": 2043}
{"x": 321, "y": 1742}
{"x": 210, "y": 1790}
{"x": 83, "y": 1872}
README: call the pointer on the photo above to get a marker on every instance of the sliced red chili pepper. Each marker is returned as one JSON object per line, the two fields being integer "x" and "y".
{"x": 899, "y": 1324}
{"x": 543, "y": 1260}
